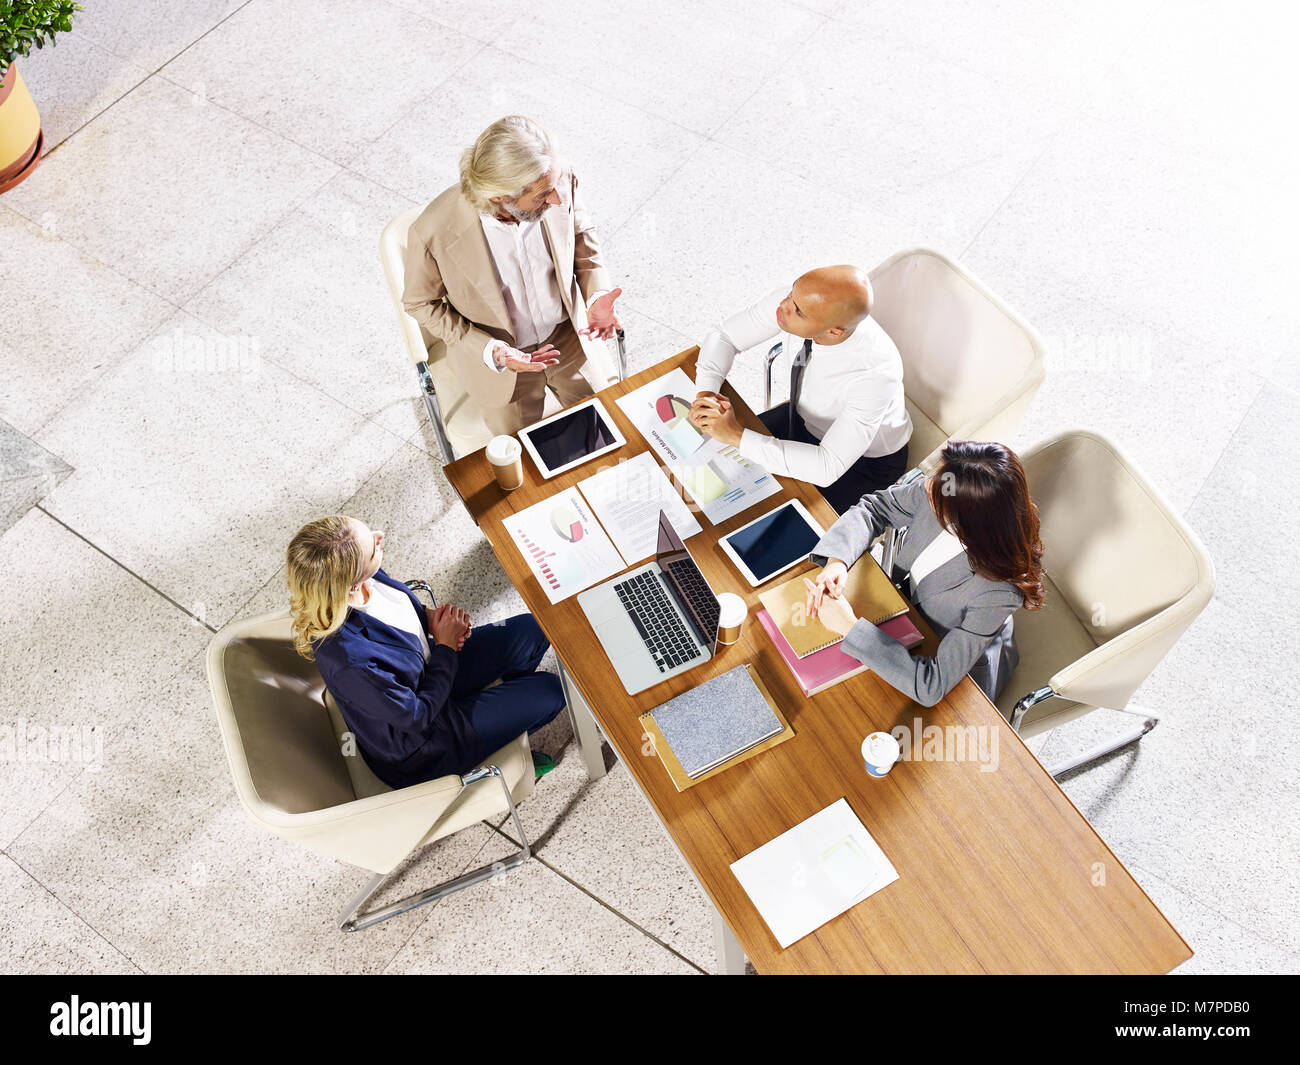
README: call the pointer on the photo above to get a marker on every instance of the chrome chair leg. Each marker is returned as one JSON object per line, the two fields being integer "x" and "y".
{"x": 620, "y": 339}
{"x": 772, "y": 354}
{"x": 1038, "y": 695}
{"x": 353, "y": 920}
{"x": 425, "y": 587}
{"x": 1108, "y": 746}
{"x": 434, "y": 411}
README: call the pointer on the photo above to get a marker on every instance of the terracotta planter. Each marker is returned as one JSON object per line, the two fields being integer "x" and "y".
{"x": 20, "y": 130}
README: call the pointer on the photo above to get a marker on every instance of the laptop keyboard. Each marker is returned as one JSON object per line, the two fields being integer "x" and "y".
{"x": 694, "y": 587}
{"x": 657, "y": 620}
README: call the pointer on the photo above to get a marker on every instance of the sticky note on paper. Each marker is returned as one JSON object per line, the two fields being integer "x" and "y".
{"x": 704, "y": 483}
{"x": 684, "y": 437}
{"x": 847, "y": 867}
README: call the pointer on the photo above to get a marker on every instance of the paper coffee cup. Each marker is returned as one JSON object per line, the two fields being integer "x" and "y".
{"x": 731, "y": 619}
{"x": 505, "y": 454}
{"x": 879, "y": 753}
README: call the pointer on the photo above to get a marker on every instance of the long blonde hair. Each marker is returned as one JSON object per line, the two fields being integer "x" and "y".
{"x": 323, "y": 562}
{"x": 508, "y": 156}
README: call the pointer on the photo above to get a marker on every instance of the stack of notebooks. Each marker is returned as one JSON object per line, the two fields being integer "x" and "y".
{"x": 704, "y": 730}
{"x": 809, "y": 648}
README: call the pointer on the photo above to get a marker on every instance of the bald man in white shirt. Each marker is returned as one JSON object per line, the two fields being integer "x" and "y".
{"x": 848, "y": 430}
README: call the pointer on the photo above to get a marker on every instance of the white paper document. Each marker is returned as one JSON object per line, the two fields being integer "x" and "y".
{"x": 814, "y": 872}
{"x": 627, "y": 499}
{"x": 563, "y": 544}
{"x": 717, "y": 477}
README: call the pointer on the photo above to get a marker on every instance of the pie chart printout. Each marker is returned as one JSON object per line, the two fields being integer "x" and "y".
{"x": 565, "y": 521}
{"x": 563, "y": 544}
{"x": 674, "y": 412}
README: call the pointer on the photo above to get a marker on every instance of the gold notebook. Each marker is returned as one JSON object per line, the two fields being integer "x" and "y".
{"x": 867, "y": 589}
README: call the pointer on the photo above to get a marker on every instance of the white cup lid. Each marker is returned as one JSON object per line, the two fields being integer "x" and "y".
{"x": 733, "y": 609}
{"x": 880, "y": 749}
{"x": 503, "y": 449}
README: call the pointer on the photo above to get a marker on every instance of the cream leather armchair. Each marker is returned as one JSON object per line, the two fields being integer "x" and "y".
{"x": 971, "y": 365}
{"x": 455, "y": 418}
{"x": 284, "y": 740}
{"x": 1124, "y": 577}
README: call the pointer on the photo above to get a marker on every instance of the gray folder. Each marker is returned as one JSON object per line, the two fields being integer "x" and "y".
{"x": 716, "y": 721}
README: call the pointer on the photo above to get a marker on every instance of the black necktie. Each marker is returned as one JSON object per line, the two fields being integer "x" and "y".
{"x": 797, "y": 368}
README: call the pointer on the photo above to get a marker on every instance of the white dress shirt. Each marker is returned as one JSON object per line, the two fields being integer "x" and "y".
{"x": 851, "y": 399}
{"x": 394, "y": 608}
{"x": 526, "y": 274}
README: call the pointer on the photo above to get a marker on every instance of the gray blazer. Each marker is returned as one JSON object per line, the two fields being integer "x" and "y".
{"x": 970, "y": 614}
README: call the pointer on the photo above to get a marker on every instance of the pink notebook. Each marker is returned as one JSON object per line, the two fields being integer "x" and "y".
{"x": 830, "y": 665}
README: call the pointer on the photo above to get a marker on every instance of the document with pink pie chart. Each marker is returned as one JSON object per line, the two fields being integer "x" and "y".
{"x": 563, "y": 544}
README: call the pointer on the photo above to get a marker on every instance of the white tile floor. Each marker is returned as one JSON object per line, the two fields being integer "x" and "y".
{"x": 218, "y": 171}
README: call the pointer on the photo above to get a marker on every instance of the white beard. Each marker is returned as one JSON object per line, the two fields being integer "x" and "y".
{"x": 522, "y": 216}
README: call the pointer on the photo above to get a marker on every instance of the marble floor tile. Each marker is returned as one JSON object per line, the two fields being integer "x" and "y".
{"x": 43, "y": 936}
{"x": 620, "y": 152}
{"x": 1213, "y": 80}
{"x": 1221, "y": 946}
{"x": 150, "y": 32}
{"x": 1171, "y": 406}
{"x": 201, "y": 507}
{"x": 691, "y": 63}
{"x": 125, "y": 641}
{"x": 1115, "y": 217}
{"x": 176, "y": 876}
{"x": 312, "y": 292}
{"x": 151, "y": 187}
{"x": 530, "y": 920}
{"x": 1043, "y": 51}
{"x": 603, "y": 835}
{"x": 74, "y": 80}
{"x": 333, "y": 90}
{"x": 53, "y": 348}
{"x": 896, "y": 130}
{"x": 28, "y": 473}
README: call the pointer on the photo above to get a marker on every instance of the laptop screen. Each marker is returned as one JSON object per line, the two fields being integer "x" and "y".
{"x": 689, "y": 588}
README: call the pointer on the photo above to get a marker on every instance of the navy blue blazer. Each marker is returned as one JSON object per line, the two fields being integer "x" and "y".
{"x": 397, "y": 705}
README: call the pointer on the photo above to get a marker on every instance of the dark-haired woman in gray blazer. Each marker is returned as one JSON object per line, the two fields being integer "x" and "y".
{"x": 972, "y": 556}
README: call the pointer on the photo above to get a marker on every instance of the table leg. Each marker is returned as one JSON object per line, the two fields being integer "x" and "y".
{"x": 585, "y": 729}
{"x": 731, "y": 958}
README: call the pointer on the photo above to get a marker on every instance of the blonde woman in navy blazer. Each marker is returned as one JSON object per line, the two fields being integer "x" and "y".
{"x": 411, "y": 685}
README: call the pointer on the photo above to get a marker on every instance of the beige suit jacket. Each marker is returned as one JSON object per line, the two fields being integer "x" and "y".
{"x": 451, "y": 286}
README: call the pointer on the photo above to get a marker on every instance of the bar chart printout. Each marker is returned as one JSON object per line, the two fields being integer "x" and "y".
{"x": 563, "y": 544}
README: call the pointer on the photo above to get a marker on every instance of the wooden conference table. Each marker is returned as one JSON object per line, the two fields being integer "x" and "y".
{"x": 998, "y": 872}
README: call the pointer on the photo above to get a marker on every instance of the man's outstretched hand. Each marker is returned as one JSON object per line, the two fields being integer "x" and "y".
{"x": 539, "y": 361}
{"x": 601, "y": 319}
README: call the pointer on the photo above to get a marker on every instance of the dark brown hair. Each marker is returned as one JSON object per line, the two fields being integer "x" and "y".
{"x": 979, "y": 491}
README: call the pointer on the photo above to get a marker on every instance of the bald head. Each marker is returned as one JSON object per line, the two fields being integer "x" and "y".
{"x": 826, "y": 304}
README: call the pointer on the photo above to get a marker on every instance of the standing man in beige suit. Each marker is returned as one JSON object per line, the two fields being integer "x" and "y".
{"x": 505, "y": 269}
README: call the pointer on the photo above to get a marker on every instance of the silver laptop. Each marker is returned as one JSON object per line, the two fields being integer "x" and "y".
{"x": 658, "y": 620}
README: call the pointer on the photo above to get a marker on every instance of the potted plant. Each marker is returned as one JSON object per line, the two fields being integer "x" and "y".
{"x": 24, "y": 23}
